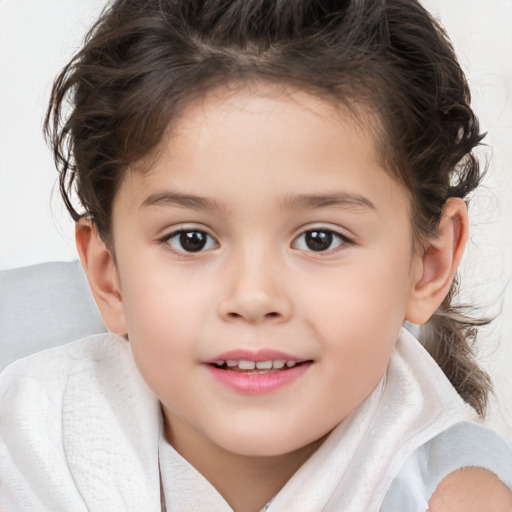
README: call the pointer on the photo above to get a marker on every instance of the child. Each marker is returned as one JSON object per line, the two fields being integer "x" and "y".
{"x": 268, "y": 190}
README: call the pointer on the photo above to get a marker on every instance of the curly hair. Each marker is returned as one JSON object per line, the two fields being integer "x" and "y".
{"x": 143, "y": 62}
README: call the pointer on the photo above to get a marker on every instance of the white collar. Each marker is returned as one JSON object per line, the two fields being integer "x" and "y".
{"x": 355, "y": 466}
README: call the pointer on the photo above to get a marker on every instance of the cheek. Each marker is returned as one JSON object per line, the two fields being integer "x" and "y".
{"x": 162, "y": 322}
{"x": 358, "y": 315}
{"x": 160, "y": 298}
{"x": 367, "y": 296}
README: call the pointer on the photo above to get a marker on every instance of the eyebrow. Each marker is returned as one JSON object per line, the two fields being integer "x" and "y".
{"x": 178, "y": 199}
{"x": 303, "y": 201}
{"x": 343, "y": 199}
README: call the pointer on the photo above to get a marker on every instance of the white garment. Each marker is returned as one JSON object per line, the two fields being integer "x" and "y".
{"x": 80, "y": 431}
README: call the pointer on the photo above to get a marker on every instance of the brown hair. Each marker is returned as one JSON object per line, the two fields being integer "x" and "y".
{"x": 143, "y": 61}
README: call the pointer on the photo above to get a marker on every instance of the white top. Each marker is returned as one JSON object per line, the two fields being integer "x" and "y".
{"x": 82, "y": 432}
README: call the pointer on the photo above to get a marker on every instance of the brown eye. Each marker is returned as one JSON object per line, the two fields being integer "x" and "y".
{"x": 318, "y": 240}
{"x": 191, "y": 240}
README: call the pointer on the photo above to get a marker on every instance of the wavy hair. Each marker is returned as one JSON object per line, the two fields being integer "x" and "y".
{"x": 144, "y": 61}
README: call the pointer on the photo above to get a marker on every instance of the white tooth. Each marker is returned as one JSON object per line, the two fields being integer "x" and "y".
{"x": 290, "y": 364}
{"x": 264, "y": 365}
{"x": 220, "y": 363}
{"x": 231, "y": 363}
{"x": 278, "y": 364}
{"x": 246, "y": 365}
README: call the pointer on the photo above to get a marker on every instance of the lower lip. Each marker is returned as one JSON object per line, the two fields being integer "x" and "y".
{"x": 257, "y": 383}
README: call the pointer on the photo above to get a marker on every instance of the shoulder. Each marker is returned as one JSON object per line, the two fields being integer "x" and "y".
{"x": 49, "y": 393}
{"x": 66, "y": 414}
{"x": 49, "y": 373}
{"x": 471, "y": 489}
{"x": 58, "y": 360}
{"x": 464, "y": 461}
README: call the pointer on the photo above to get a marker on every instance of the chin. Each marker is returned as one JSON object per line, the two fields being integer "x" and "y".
{"x": 274, "y": 443}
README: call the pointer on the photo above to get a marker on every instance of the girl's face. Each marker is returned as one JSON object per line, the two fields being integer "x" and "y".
{"x": 265, "y": 265}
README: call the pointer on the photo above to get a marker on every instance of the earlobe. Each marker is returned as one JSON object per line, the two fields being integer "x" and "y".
{"x": 101, "y": 271}
{"x": 437, "y": 265}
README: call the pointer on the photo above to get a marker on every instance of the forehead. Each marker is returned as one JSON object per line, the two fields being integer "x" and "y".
{"x": 262, "y": 137}
{"x": 277, "y": 106}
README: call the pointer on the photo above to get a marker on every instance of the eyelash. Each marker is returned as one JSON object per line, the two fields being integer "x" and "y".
{"x": 181, "y": 234}
{"x": 329, "y": 237}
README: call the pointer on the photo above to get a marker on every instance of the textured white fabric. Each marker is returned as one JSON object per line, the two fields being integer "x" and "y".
{"x": 354, "y": 468}
{"x": 184, "y": 487}
{"x": 81, "y": 431}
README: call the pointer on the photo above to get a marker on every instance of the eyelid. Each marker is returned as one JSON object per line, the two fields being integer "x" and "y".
{"x": 170, "y": 231}
{"x": 184, "y": 228}
{"x": 336, "y": 231}
{"x": 343, "y": 232}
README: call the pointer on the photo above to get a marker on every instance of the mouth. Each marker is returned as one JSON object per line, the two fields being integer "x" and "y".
{"x": 256, "y": 367}
{"x": 257, "y": 373}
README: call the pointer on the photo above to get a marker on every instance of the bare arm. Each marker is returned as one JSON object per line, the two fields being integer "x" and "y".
{"x": 471, "y": 490}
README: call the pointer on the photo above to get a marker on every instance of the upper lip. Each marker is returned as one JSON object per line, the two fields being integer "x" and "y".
{"x": 254, "y": 355}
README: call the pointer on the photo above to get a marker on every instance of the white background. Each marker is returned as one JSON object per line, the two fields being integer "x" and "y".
{"x": 38, "y": 36}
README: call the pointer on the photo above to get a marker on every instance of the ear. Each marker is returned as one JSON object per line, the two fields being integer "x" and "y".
{"x": 101, "y": 271}
{"x": 435, "y": 268}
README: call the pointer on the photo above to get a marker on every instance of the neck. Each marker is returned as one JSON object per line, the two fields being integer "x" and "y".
{"x": 247, "y": 483}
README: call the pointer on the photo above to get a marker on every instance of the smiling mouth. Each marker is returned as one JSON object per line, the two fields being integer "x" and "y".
{"x": 257, "y": 375}
{"x": 246, "y": 366}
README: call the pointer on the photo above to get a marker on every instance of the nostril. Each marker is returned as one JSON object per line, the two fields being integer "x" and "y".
{"x": 272, "y": 314}
{"x": 253, "y": 308}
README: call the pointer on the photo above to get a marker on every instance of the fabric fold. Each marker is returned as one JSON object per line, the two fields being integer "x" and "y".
{"x": 81, "y": 431}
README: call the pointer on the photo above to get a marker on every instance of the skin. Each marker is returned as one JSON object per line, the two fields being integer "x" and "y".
{"x": 246, "y": 169}
{"x": 471, "y": 490}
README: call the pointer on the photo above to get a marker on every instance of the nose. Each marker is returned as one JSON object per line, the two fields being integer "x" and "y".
{"x": 254, "y": 291}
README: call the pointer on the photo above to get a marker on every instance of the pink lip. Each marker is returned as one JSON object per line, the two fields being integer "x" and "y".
{"x": 254, "y": 383}
{"x": 257, "y": 355}
{"x": 257, "y": 383}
